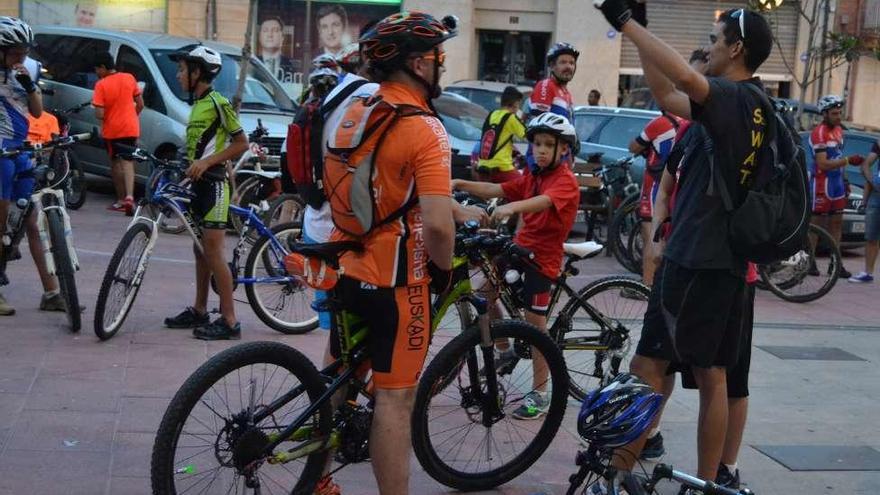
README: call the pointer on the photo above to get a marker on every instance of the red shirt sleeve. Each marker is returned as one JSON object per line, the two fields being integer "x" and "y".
{"x": 542, "y": 97}
{"x": 819, "y": 139}
{"x": 515, "y": 190}
{"x": 98, "y": 96}
{"x": 563, "y": 191}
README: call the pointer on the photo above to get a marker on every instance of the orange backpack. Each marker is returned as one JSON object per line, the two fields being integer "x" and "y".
{"x": 350, "y": 163}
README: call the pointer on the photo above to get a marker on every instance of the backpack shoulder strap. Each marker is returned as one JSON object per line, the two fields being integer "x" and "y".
{"x": 496, "y": 145}
{"x": 329, "y": 105}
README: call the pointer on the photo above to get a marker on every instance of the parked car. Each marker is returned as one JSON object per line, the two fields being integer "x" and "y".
{"x": 487, "y": 94}
{"x": 463, "y": 121}
{"x": 70, "y": 79}
{"x": 854, "y": 142}
{"x": 608, "y": 130}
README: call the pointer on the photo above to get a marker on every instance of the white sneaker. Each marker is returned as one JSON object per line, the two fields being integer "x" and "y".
{"x": 5, "y": 308}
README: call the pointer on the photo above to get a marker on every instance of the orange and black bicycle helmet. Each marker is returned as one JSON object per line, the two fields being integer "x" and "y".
{"x": 392, "y": 40}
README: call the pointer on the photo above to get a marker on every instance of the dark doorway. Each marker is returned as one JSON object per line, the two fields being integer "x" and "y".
{"x": 512, "y": 57}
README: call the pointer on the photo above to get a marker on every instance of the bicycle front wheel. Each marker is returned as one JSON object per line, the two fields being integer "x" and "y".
{"x": 469, "y": 440}
{"x": 213, "y": 435}
{"x": 602, "y": 343}
{"x": 810, "y": 273}
{"x": 281, "y": 302}
{"x": 285, "y": 208}
{"x": 64, "y": 269}
{"x": 626, "y": 222}
{"x": 122, "y": 280}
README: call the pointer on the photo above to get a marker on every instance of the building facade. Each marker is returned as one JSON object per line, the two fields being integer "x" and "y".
{"x": 506, "y": 40}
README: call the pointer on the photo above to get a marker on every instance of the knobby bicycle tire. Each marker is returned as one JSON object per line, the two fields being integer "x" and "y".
{"x": 571, "y": 325}
{"x": 104, "y": 329}
{"x": 64, "y": 269}
{"x": 289, "y": 292}
{"x": 274, "y": 215}
{"x": 620, "y": 232}
{"x": 196, "y": 390}
{"x": 449, "y": 360}
{"x": 798, "y": 265}
{"x": 75, "y": 186}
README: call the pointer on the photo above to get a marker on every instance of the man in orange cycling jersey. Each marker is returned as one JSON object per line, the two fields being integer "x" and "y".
{"x": 387, "y": 283}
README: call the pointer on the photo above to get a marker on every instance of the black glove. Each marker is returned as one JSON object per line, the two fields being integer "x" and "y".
{"x": 441, "y": 280}
{"x": 640, "y": 12}
{"x": 26, "y": 82}
{"x": 616, "y": 12}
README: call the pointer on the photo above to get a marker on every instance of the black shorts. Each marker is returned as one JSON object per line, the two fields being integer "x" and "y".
{"x": 694, "y": 317}
{"x": 738, "y": 375}
{"x": 399, "y": 319}
{"x": 535, "y": 294}
{"x": 210, "y": 208}
{"x": 120, "y": 145}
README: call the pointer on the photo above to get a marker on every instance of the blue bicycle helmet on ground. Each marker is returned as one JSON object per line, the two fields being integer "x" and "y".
{"x": 618, "y": 413}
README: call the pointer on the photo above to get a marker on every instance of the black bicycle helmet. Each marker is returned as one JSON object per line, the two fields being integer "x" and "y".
{"x": 392, "y": 40}
{"x": 619, "y": 413}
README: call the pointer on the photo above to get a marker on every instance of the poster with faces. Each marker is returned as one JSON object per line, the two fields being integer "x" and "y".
{"x": 139, "y": 15}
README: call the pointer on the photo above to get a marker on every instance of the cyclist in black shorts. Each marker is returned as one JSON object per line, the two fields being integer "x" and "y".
{"x": 699, "y": 290}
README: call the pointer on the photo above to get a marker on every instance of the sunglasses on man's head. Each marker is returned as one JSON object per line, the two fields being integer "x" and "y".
{"x": 741, "y": 16}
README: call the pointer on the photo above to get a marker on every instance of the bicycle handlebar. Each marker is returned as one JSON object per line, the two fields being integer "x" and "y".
{"x": 58, "y": 142}
{"x": 665, "y": 471}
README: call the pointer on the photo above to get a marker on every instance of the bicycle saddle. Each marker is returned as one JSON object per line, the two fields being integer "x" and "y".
{"x": 264, "y": 174}
{"x": 328, "y": 252}
{"x": 582, "y": 250}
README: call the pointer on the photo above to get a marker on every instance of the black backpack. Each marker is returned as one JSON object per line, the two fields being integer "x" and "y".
{"x": 489, "y": 145}
{"x": 305, "y": 157}
{"x": 772, "y": 222}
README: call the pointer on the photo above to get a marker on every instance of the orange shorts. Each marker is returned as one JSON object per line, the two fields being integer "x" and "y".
{"x": 399, "y": 319}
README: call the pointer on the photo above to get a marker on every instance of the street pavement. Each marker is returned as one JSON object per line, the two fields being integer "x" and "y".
{"x": 78, "y": 416}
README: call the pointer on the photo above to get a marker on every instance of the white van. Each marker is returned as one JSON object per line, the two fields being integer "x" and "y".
{"x": 67, "y": 55}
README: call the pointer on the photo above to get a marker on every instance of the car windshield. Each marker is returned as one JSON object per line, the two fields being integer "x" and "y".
{"x": 585, "y": 124}
{"x": 261, "y": 90}
{"x": 462, "y": 119}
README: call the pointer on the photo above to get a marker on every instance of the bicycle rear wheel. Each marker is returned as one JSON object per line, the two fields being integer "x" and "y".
{"x": 285, "y": 305}
{"x": 64, "y": 268}
{"x": 454, "y": 435}
{"x": 285, "y": 208}
{"x": 122, "y": 280}
{"x": 75, "y": 185}
{"x": 622, "y": 228}
{"x": 590, "y": 354}
{"x": 208, "y": 438}
{"x": 810, "y": 273}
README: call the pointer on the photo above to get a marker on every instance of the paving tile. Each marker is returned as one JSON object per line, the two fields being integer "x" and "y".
{"x": 55, "y": 394}
{"x": 810, "y": 353}
{"x": 63, "y": 431}
{"x": 141, "y": 414}
{"x": 155, "y": 382}
{"x": 70, "y": 473}
{"x": 130, "y": 486}
{"x": 165, "y": 357}
{"x": 10, "y": 407}
{"x": 16, "y": 378}
{"x": 131, "y": 454}
{"x": 823, "y": 457}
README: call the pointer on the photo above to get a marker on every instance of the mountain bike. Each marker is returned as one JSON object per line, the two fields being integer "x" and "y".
{"x": 52, "y": 221}
{"x": 595, "y": 328}
{"x": 595, "y": 467}
{"x": 168, "y": 195}
{"x": 624, "y": 235}
{"x": 807, "y": 275}
{"x": 259, "y": 416}
{"x": 600, "y": 203}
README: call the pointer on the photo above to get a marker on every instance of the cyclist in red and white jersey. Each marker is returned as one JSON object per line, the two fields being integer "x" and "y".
{"x": 827, "y": 178}
{"x": 551, "y": 94}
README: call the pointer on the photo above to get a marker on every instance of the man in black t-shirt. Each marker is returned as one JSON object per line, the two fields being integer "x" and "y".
{"x": 700, "y": 286}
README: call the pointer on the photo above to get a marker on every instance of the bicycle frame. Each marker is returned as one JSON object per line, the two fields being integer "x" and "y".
{"x": 352, "y": 338}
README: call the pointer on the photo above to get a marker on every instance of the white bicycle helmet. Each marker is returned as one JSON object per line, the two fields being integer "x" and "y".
{"x": 15, "y": 32}
{"x": 208, "y": 58}
{"x": 828, "y": 102}
{"x": 325, "y": 61}
{"x": 550, "y": 123}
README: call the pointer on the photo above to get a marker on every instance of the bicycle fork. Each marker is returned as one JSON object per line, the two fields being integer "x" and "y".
{"x": 45, "y": 239}
{"x": 488, "y": 398}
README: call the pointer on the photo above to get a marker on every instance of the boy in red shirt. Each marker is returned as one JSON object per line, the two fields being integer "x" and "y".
{"x": 547, "y": 199}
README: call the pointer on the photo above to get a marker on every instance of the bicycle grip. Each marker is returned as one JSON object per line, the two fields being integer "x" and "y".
{"x": 521, "y": 252}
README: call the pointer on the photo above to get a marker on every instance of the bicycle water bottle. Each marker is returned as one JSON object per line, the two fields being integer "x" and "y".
{"x": 514, "y": 280}
{"x": 16, "y": 217}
